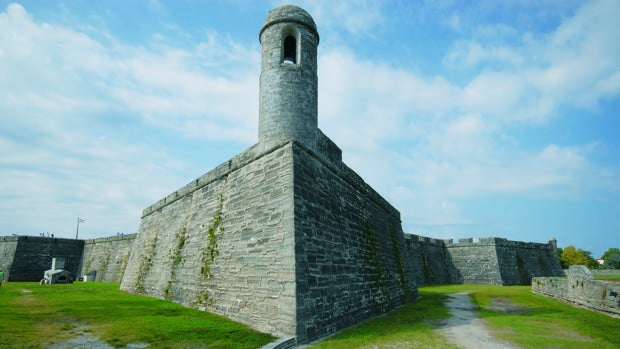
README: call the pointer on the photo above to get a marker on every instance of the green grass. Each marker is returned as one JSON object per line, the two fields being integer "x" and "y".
{"x": 608, "y": 277}
{"x": 541, "y": 322}
{"x": 411, "y": 326}
{"x": 544, "y": 323}
{"x": 35, "y": 316}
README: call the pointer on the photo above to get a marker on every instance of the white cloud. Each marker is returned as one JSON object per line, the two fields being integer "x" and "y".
{"x": 357, "y": 17}
{"x": 47, "y": 68}
{"x": 472, "y": 54}
{"x": 452, "y": 139}
{"x": 429, "y": 142}
{"x": 58, "y": 179}
{"x": 529, "y": 76}
{"x": 71, "y": 103}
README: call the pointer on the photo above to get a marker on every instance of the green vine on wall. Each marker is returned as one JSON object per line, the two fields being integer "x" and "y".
{"x": 104, "y": 266}
{"x": 175, "y": 259}
{"x": 167, "y": 293}
{"x": 214, "y": 231}
{"x": 123, "y": 267}
{"x": 175, "y": 253}
{"x": 204, "y": 299}
{"x": 146, "y": 263}
{"x": 88, "y": 264}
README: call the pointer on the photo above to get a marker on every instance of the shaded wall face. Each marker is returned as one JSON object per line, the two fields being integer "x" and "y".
{"x": 349, "y": 248}
{"x": 226, "y": 246}
{"x": 519, "y": 261}
{"x": 432, "y": 263}
{"x": 33, "y": 256}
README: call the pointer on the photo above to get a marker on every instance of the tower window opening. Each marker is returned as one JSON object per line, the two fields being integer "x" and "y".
{"x": 290, "y": 50}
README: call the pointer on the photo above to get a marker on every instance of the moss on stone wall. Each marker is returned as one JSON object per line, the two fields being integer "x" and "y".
{"x": 146, "y": 263}
{"x": 375, "y": 268}
{"x": 399, "y": 260}
{"x": 214, "y": 232}
{"x": 104, "y": 266}
{"x": 175, "y": 259}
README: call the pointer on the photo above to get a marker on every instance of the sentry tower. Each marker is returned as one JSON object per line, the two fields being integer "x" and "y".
{"x": 288, "y": 79}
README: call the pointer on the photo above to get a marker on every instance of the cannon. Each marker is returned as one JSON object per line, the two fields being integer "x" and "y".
{"x": 57, "y": 275}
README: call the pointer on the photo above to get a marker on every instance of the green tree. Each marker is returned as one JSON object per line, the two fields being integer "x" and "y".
{"x": 577, "y": 256}
{"x": 612, "y": 258}
{"x": 559, "y": 256}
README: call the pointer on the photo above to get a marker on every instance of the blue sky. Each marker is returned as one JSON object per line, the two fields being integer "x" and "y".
{"x": 474, "y": 119}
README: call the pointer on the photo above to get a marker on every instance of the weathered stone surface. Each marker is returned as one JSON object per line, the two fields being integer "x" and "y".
{"x": 580, "y": 289}
{"x": 107, "y": 257}
{"x": 431, "y": 260}
{"x": 32, "y": 256}
{"x": 288, "y": 90}
{"x": 519, "y": 261}
{"x": 8, "y": 245}
{"x": 349, "y": 249}
{"x": 304, "y": 248}
{"x": 227, "y": 246}
{"x": 492, "y": 261}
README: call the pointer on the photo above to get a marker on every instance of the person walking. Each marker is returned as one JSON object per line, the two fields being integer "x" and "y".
{"x": 1, "y": 277}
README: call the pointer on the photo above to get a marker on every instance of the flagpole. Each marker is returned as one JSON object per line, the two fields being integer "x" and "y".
{"x": 77, "y": 229}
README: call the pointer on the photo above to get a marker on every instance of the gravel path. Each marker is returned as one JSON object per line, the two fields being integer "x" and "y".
{"x": 464, "y": 329}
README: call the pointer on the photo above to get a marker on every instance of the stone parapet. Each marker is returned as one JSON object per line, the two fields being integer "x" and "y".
{"x": 580, "y": 289}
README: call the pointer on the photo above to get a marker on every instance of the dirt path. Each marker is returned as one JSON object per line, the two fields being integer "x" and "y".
{"x": 466, "y": 331}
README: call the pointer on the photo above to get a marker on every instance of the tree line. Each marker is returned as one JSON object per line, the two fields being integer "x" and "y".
{"x": 570, "y": 255}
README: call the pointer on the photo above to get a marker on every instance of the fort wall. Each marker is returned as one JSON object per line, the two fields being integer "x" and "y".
{"x": 491, "y": 261}
{"x": 323, "y": 252}
{"x": 432, "y": 261}
{"x": 225, "y": 243}
{"x": 288, "y": 242}
{"x": 350, "y": 252}
{"x": 32, "y": 256}
{"x": 106, "y": 258}
{"x": 580, "y": 289}
{"x": 8, "y": 245}
{"x": 520, "y": 261}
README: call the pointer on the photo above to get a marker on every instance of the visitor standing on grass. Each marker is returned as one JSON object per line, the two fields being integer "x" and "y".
{"x": 1, "y": 277}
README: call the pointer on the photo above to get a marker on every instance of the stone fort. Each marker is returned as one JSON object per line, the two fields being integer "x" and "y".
{"x": 283, "y": 237}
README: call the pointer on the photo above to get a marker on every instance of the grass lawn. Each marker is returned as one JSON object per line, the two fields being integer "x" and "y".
{"x": 608, "y": 277}
{"x": 541, "y": 322}
{"x": 411, "y": 326}
{"x": 35, "y": 316}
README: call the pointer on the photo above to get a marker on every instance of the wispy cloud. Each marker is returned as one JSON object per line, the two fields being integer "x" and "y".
{"x": 82, "y": 111}
{"x": 456, "y": 139}
{"x": 73, "y": 101}
{"x": 357, "y": 17}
